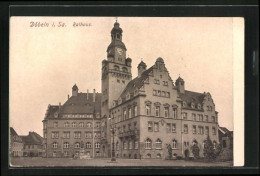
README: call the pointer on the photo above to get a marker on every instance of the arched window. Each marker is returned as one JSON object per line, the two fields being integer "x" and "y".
{"x": 129, "y": 113}
{"x": 81, "y": 124}
{"x": 158, "y": 155}
{"x": 74, "y": 125}
{"x": 54, "y": 145}
{"x": 174, "y": 144}
{"x": 88, "y": 145}
{"x": 125, "y": 145}
{"x": 130, "y": 145}
{"x": 66, "y": 124}
{"x": 158, "y": 144}
{"x": 66, "y": 145}
{"x": 88, "y": 125}
{"x": 76, "y": 145}
{"x": 148, "y": 144}
{"x": 195, "y": 142}
{"x": 97, "y": 145}
{"x": 124, "y": 69}
{"x": 148, "y": 155}
{"x": 116, "y": 67}
{"x": 118, "y": 36}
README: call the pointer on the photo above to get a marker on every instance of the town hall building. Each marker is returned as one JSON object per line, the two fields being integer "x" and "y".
{"x": 133, "y": 117}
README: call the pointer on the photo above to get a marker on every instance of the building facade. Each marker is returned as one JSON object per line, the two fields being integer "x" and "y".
{"x": 16, "y": 144}
{"x": 32, "y": 145}
{"x": 148, "y": 114}
{"x": 73, "y": 128}
{"x": 226, "y": 142}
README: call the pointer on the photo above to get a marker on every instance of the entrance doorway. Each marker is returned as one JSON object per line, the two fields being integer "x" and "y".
{"x": 187, "y": 153}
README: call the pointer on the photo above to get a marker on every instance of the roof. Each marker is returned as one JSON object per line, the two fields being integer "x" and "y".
{"x": 190, "y": 96}
{"x": 14, "y": 135}
{"x": 77, "y": 105}
{"x": 137, "y": 82}
{"x": 13, "y": 132}
{"x": 32, "y": 138}
{"x": 75, "y": 87}
{"x": 116, "y": 43}
{"x": 224, "y": 129}
{"x": 179, "y": 79}
{"x": 142, "y": 64}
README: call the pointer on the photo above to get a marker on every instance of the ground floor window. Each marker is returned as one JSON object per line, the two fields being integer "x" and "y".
{"x": 54, "y": 154}
{"x": 148, "y": 144}
{"x": 66, "y": 153}
{"x": 174, "y": 144}
{"x": 148, "y": 155}
{"x": 158, "y": 155}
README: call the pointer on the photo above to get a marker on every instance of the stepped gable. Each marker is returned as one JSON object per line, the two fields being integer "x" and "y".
{"x": 136, "y": 83}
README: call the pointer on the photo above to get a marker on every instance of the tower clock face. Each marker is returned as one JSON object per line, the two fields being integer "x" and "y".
{"x": 119, "y": 51}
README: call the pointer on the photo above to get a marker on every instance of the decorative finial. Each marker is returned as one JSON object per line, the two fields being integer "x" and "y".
{"x": 141, "y": 59}
{"x": 116, "y": 19}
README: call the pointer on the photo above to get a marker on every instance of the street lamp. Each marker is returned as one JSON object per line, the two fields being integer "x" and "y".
{"x": 113, "y": 159}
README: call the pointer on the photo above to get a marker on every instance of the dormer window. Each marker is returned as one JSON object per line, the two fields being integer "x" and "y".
{"x": 199, "y": 106}
{"x": 128, "y": 96}
{"x": 184, "y": 104}
{"x": 192, "y": 105}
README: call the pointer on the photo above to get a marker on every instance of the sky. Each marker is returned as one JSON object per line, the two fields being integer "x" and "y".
{"x": 45, "y": 62}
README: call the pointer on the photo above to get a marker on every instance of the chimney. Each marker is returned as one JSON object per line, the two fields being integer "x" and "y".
{"x": 59, "y": 105}
{"x": 87, "y": 94}
{"x": 68, "y": 96}
{"x": 141, "y": 68}
{"x": 94, "y": 95}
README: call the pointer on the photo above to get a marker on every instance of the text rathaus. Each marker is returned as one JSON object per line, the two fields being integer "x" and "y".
{"x": 134, "y": 117}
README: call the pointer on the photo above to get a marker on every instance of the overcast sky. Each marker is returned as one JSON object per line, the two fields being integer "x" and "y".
{"x": 45, "y": 62}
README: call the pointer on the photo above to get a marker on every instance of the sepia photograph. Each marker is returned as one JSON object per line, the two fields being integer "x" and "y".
{"x": 125, "y": 91}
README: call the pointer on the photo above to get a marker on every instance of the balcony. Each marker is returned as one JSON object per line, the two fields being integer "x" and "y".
{"x": 130, "y": 133}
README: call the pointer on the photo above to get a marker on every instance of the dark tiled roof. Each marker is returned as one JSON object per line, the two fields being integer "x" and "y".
{"x": 32, "y": 138}
{"x": 51, "y": 110}
{"x": 190, "y": 96}
{"x": 116, "y": 43}
{"x": 13, "y": 133}
{"x": 137, "y": 82}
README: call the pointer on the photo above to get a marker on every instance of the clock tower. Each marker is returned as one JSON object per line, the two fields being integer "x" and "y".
{"x": 116, "y": 74}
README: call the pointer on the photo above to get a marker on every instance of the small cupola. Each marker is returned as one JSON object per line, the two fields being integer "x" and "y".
{"x": 141, "y": 68}
{"x": 75, "y": 90}
{"x": 116, "y": 32}
{"x": 180, "y": 85}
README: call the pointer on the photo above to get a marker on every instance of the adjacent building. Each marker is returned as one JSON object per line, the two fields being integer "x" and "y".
{"x": 226, "y": 141}
{"x": 147, "y": 114}
{"x": 73, "y": 128}
{"x": 16, "y": 144}
{"x": 32, "y": 145}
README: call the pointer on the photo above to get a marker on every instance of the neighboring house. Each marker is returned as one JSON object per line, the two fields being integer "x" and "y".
{"x": 16, "y": 144}
{"x": 226, "y": 141}
{"x": 148, "y": 113}
{"x": 73, "y": 126}
{"x": 32, "y": 144}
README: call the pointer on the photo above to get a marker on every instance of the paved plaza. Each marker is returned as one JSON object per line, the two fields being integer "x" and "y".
{"x": 45, "y": 162}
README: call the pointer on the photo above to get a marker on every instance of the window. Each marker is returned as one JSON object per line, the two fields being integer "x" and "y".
{"x": 163, "y": 93}
{"x": 81, "y": 125}
{"x": 88, "y": 145}
{"x": 156, "y": 126}
{"x": 174, "y": 144}
{"x": 157, "y": 111}
{"x": 168, "y": 127}
{"x": 66, "y": 124}
{"x": 76, "y": 145}
{"x": 184, "y": 116}
{"x": 77, "y": 135}
{"x": 148, "y": 155}
{"x": 97, "y": 135}
{"x": 129, "y": 113}
{"x": 97, "y": 124}
{"x": 207, "y": 130}
{"x": 117, "y": 145}
{"x": 158, "y": 144}
{"x": 185, "y": 129}
{"x": 66, "y": 135}
{"x": 116, "y": 67}
{"x": 44, "y": 135}
{"x": 55, "y": 124}
{"x": 201, "y": 130}
{"x": 174, "y": 113}
{"x": 192, "y": 105}
{"x": 148, "y": 144}
{"x": 159, "y": 93}
{"x": 166, "y": 112}
{"x": 66, "y": 153}
{"x": 194, "y": 130}
{"x": 54, "y": 154}
{"x": 136, "y": 144}
{"x": 194, "y": 117}
{"x": 173, "y": 128}
{"x": 66, "y": 145}
{"x": 124, "y": 115}
{"x": 125, "y": 145}
{"x": 213, "y": 130}
{"x": 88, "y": 125}
{"x": 213, "y": 119}
{"x": 168, "y": 94}
{"x": 88, "y": 135}
{"x": 54, "y": 145}
{"x": 206, "y": 118}
{"x": 55, "y": 135}
{"x": 135, "y": 110}
{"x": 165, "y": 83}
{"x": 150, "y": 126}
{"x": 148, "y": 110}
{"x": 130, "y": 145}
{"x": 118, "y": 81}
{"x": 154, "y": 92}
{"x": 74, "y": 125}
{"x": 97, "y": 145}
